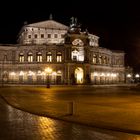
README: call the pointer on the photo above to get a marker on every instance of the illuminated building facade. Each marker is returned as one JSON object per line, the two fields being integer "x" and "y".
{"x": 74, "y": 57}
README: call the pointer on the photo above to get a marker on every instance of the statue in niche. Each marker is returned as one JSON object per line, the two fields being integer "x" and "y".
{"x": 72, "y": 21}
{"x": 50, "y": 17}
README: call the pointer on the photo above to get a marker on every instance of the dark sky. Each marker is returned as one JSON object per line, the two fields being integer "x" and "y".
{"x": 117, "y": 23}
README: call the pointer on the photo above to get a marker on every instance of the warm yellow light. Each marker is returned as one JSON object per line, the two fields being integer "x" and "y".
{"x": 39, "y": 73}
{"x": 31, "y": 73}
{"x": 79, "y": 75}
{"x": 43, "y": 73}
{"x": 95, "y": 74}
{"x": 48, "y": 70}
{"x": 102, "y": 74}
{"x": 137, "y": 75}
{"x": 114, "y": 75}
{"x": 12, "y": 73}
{"x": 108, "y": 74}
{"x": 58, "y": 71}
{"x": 129, "y": 75}
{"x": 54, "y": 73}
{"x": 21, "y": 73}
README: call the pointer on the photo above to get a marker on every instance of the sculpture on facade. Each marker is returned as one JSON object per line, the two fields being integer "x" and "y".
{"x": 74, "y": 26}
{"x": 73, "y": 21}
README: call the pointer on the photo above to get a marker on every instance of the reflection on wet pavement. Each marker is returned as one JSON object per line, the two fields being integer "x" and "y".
{"x": 19, "y": 125}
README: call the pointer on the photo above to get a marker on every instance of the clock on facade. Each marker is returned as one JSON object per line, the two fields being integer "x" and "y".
{"x": 77, "y": 42}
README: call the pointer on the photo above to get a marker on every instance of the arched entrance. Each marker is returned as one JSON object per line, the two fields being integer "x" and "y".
{"x": 79, "y": 75}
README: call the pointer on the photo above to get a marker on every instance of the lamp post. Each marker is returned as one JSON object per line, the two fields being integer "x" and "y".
{"x": 129, "y": 78}
{"x": 137, "y": 76}
{"x": 48, "y": 71}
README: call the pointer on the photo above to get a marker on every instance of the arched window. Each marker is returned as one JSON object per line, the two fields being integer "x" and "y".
{"x": 39, "y": 57}
{"x": 30, "y": 57}
{"x": 49, "y": 57}
{"x": 75, "y": 55}
{"x": 21, "y": 57}
{"x": 94, "y": 59}
{"x": 59, "y": 57}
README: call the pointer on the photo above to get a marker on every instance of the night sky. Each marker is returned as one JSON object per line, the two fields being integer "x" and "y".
{"x": 117, "y": 23}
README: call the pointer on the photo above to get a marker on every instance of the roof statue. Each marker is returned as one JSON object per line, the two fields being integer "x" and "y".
{"x": 73, "y": 22}
{"x": 50, "y": 17}
{"x": 74, "y": 26}
{"x": 25, "y": 22}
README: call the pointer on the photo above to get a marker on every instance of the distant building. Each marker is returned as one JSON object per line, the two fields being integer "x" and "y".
{"x": 74, "y": 57}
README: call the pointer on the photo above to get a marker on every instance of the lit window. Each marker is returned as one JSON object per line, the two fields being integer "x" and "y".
{"x": 94, "y": 59}
{"x": 75, "y": 55}
{"x": 104, "y": 60}
{"x": 21, "y": 57}
{"x": 49, "y": 57}
{"x": 59, "y": 57}
{"x": 30, "y": 57}
{"x": 39, "y": 57}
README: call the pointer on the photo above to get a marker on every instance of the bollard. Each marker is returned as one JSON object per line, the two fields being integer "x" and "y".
{"x": 70, "y": 108}
{"x": 48, "y": 85}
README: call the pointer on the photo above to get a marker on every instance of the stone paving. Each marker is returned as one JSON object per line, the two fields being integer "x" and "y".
{"x": 19, "y": 125}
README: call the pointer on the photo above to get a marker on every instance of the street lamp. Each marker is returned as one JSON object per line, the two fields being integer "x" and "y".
{"x": 137, "y": 76}
{"x": 129, "y": 78}
{"x": 48, "y": 71}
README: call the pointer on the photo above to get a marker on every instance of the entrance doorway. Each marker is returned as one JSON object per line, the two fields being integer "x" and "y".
{"x": 79, "y": 75}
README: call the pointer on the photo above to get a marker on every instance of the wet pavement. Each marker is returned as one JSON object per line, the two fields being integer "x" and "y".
{"x": 19, "y": 125}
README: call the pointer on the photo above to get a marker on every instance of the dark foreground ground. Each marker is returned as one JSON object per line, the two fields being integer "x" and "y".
{"x": 115, "y": 111}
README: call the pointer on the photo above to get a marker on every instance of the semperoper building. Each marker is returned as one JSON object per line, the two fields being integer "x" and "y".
{"x": 62, "y": 54}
